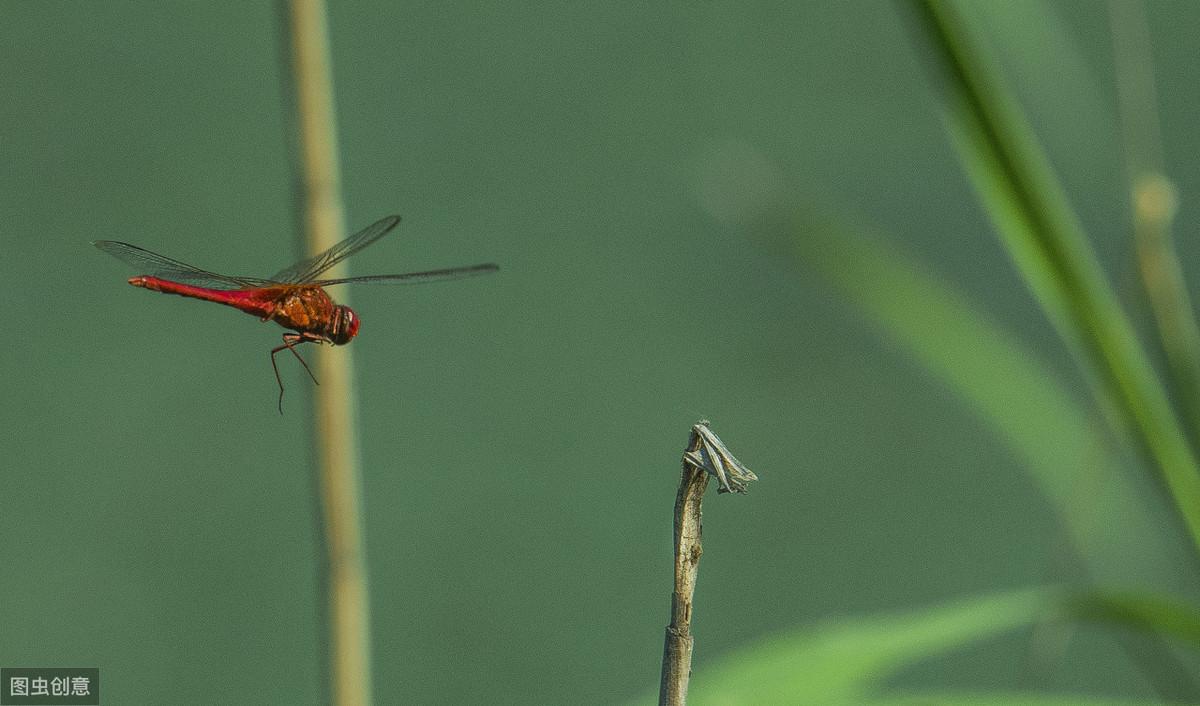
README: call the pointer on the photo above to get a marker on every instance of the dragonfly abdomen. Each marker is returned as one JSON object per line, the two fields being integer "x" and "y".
{"x": 250, "y": 301}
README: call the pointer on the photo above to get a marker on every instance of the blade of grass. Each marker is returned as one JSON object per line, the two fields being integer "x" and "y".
{"x": 1043, "y": 424}
{"x": 337, "y": 452}
{"x": 992, "y": 699}
{"x": 1155, "y": 614}
{"x": 1153, "y": 198}
{"x": 843, "y": 660}
{"x": 1045, "y": 240}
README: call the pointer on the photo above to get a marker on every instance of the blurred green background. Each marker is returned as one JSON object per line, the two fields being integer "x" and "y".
{"x": 521, "y": 433}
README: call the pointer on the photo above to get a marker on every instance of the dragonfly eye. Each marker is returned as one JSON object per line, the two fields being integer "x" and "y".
{"x": 345, "y": 327}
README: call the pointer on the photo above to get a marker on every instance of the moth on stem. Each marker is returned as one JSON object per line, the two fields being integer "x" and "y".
{"x": 705, "y": 455}
{"x": 710, "y": 454}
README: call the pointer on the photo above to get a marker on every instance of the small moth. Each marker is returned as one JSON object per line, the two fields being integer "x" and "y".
{"x": 708, "y": 453}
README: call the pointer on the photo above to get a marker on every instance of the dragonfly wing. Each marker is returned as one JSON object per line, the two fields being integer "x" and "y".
{"x": 150, "y": 263}
{"x": 307, "y": 271}
{"x": 414, "y": 277}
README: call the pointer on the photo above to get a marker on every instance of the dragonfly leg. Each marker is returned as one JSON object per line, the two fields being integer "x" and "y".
{"x": 289, "y": 342}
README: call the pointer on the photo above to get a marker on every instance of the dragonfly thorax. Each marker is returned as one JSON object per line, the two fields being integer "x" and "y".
{"x": 310, "y": 311}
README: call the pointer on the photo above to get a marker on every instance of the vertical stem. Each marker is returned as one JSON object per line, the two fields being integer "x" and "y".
{"x": 1030, "y": 211}
{"x": 1153, "y": 197}
{"x": 336, "y": 445}
{"x": 677, "y": 647}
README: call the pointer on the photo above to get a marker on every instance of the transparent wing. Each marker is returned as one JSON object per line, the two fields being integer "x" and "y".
{"x": 150, "y": 263}
{"x": 414, "y": 277}
{"x": 307, "y": 271}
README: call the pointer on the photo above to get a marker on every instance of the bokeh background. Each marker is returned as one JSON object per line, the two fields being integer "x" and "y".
{"x": 521, "y": 433}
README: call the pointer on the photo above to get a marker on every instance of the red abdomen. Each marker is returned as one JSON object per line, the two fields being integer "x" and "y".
{"x": 307, "y": 309}
{"x": 258, "y": 302}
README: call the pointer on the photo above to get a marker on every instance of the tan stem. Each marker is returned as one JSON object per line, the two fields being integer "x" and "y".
{"x": 336, "y": 443}
{"x": 677, "y": 647}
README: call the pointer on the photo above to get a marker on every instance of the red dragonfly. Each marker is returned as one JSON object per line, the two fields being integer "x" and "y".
{"x": 294, "y": 297}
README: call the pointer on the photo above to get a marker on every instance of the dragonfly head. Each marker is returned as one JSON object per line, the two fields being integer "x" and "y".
{"x": 345, "y": 325}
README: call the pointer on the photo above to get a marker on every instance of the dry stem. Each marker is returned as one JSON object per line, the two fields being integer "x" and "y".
{"x": 677, "y": 648}
{"x": 337, "y": 447}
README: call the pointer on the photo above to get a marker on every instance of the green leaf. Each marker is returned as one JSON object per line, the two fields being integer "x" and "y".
{"x": 1043, "y": 236}
{"x": 842, "y": 660}
{"x": 1156, "y": 614}
{"x": 1045, "y": 426}
{"x": 963, "y": 699}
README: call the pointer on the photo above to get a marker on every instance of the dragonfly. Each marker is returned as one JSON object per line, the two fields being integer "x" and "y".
{"x": 295, "y": 297}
